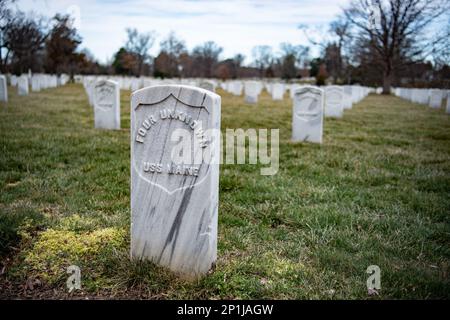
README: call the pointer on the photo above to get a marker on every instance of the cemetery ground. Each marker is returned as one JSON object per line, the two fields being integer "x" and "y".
{"x": 377, "y": 192}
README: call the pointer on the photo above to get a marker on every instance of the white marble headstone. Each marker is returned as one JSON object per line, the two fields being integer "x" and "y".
{"x": 3, "y": 89}
{"x": 435, "y": 98}
{"x": 447, "y": 108}
{"x": 307, "y": 122}
{"x": 292, "y": 89}
{"x": 175, "y": 188}
{"x": 35, "y": 83}
{"x": 348, "y": 101}
{"x": 207, "y": 85}
{"x": 334, "y": 101}
{"x": 13, "y": 80}
{"x": 277, "y": 91}
{"x": 22, "y": 86}
{"x": 251, "y": 91}
{"x": 106, "y": 104}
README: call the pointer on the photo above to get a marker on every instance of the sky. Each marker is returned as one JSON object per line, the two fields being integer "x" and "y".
{"x": 235, "y": 25}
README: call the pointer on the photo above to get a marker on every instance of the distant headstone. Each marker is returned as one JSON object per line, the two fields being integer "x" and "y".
{"x": 424, "y": 96}
{"x": 292, "y": 89}
{"x": 348, "y": 101}
{"x": 135, "y": 84}
{"x": 207, "y": 85}
{"x": 22, "y": 86}
{"x": 334, "y": 101}
{"x": 277, "y": 91}
{"x": 3, "y": 89}
{"x": 13, "y": 80}
{"x": 307, "y": 123}
{"x": 174, "y": 190}
{"x": 107, "y": 105}
{"x": 236, "y": 88}
{"x": 447, "y": 109}
{"x": 435, "y": 98}
{"x": 35, "y": 83}
{"x": 251, "y": 92}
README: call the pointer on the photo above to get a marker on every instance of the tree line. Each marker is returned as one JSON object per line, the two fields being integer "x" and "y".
{"x": 374, "y": 42}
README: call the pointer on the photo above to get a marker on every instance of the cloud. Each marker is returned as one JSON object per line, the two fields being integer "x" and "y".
{"x": 236, "y": 25}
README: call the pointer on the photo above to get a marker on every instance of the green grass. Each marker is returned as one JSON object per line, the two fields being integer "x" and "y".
{"x": 377, "y": 192}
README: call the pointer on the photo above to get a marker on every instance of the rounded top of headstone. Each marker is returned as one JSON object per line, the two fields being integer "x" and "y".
{"x": 192, "y": 96}
{"x": 312, "y": 89}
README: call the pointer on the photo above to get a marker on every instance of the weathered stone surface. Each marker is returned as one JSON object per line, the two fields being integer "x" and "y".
{"x": 307, "y": 123}
{"x": 174, "y": 203}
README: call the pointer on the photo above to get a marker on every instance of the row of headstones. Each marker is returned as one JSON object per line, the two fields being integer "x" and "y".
{"x": 252, "y": 90}
{"x": 38, "y": 82}
{"x": 134, "y": 83}
{"x": 104, "y": 96}
{"x": 431, "y": 97}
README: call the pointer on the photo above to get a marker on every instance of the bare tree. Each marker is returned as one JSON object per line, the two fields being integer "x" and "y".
{"x": 238, "y": 60}
{"x": 262, "y": 58}
{"x": 61, "y": 46}
{"x": 139, "y": 44}
{"x": 23, "y": 40}
{"x": 333, "y": 42}
{"x": 206, "y": 57}
{"x": 397, "y": 30}
{"x": 172, "y": 49}
{"x": 5, "y": 19}
{"x": 292, "y": 58}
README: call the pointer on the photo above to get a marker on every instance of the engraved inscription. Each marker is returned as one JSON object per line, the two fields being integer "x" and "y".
{"x": 170, "y": 114}
{"x": 312, "y": 110}
{"x": 105, "y": 96}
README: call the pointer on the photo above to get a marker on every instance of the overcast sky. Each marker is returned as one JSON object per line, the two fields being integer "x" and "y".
{"x": 236, "y": 25}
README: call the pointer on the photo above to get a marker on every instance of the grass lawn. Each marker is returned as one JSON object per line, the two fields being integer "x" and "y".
{"x": 377, "y": 192}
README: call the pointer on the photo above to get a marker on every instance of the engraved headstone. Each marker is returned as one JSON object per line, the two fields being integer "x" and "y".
{"x": 174, "y": 190}
{"x": 334, "y": 101}
{"x": 106, "y": 105}
{"x": 307, "y": 122}
{"x": 3, "y": 89}
{"x": 22, "y": 86}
